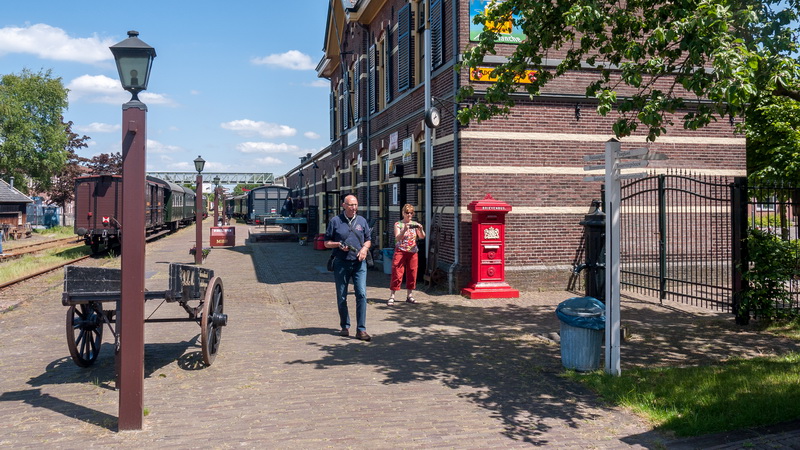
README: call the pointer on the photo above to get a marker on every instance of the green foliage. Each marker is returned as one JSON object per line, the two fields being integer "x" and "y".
{"x": 239, "y": 189}
{"x": 648, "y": 58}
{"x": 773, "y": 141}
{"x": 691, "y": 401}
{"x": 33, "y": 138}
{"x": 773, "y": 262}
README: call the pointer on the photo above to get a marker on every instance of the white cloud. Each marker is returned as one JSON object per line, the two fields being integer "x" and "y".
{"x": 320, "y": 84}
{"x": 158, "y": 147}
{"x": 269, "y": 160}
{"x": 49, "y": 42}
{"x": 292, "y": 59}
{"x": 97, "y": 127}
{"x": 103, "y": 89}
{"x": 266, "y": 147}
{"x": 247, "y": 127}
{"x": 311, "y": 135}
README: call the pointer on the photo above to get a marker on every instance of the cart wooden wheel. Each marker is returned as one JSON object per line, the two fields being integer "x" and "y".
{"x": 84, "y": 333}
{"x": 212, "y": 320}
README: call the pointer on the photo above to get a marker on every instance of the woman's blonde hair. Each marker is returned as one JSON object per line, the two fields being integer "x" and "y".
{"x": 407, "y": 208}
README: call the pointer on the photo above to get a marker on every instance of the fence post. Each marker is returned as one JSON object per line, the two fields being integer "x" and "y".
{"x": 739, "y": 254}
{"x": 662, "y": 240}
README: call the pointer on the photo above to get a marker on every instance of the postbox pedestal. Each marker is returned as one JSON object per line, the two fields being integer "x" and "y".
{"x": 488, "y": 251}
{"x": 223, "y": 236}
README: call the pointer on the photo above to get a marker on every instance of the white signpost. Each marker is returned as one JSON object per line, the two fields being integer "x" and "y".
{"x": 612, "y": 178}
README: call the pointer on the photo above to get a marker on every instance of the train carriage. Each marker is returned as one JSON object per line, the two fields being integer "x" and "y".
{"x": 265, "y": 202}
{"x": 98, "y": 209}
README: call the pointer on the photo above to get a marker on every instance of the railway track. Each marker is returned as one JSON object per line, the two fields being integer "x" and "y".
{"x": 41, "y": 272}
{"x": 23, "y": 250}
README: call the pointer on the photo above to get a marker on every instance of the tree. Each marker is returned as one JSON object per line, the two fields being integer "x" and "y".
{"x": 108, "y": 163}
{"x": 62, "y": 190}
{"x": 239, "y": 189}
{"x": 773, "y": 141}
{"x": 33, "y": 138}
{"x": 714, "y": 58}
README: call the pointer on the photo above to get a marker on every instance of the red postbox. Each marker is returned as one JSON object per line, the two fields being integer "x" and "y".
{"x": 488, "y": 250}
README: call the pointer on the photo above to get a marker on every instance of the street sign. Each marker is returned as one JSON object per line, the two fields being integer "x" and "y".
{"x": 631, "y": 164}
{"x": 632, "y": 153}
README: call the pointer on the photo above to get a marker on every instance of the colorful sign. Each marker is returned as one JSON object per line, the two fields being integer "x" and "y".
{"x": 483, "y": 74}
{"x": 509, "y": 33}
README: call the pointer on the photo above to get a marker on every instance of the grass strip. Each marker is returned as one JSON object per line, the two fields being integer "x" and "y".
{"x": 691, "y": 401}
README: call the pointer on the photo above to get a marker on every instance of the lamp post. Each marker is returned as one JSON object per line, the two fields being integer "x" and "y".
{"x": 199, "y": 163}
{"x": 134, "y": 59}
{"x": 216, "y": 201}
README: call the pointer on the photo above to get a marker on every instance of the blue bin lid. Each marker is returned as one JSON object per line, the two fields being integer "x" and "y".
{"x": 582, "y": 312}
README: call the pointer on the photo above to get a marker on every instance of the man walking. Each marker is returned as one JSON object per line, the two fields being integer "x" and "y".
{"x": 349, "y": 235}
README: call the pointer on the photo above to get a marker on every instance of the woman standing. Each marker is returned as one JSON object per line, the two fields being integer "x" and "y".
{"x": 406, "y": 234}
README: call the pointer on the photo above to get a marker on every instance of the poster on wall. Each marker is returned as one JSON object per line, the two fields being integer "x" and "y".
{"x": 509, "y": 33}
{"x": 407, "y": 150}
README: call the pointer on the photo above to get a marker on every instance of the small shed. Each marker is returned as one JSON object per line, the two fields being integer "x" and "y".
{"x": 13, "y": 206}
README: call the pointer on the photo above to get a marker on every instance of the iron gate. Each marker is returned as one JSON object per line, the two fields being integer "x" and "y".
{"x": 676, "y": 238}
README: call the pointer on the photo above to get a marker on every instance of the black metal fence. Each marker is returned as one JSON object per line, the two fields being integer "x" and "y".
{"x": 677, "y": 238}
{"x": 774, "y": 213}
{"x": 684, "y": 237}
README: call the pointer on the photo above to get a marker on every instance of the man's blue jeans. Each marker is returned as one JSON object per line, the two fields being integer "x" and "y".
{"x": 343, "y": 272}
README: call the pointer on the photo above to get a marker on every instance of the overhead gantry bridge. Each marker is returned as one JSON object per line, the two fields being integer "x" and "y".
{"x": 224, "y": 177}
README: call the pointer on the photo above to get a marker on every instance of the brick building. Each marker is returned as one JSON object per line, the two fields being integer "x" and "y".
{"x": 532, "y": 159}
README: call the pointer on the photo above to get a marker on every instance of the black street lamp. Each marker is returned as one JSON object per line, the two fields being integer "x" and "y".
{"x": 134, "y": 59}
{"x": 216, "y": 200}
{"x": 199, "y": 164}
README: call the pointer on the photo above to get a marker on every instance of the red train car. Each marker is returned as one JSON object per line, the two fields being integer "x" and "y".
{"x": 98, "y": 209}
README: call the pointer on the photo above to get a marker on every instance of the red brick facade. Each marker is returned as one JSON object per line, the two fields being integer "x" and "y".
{"x": 531, "y": 159}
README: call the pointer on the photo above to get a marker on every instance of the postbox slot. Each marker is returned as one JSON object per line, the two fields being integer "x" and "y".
{"x": 491, "y": 247}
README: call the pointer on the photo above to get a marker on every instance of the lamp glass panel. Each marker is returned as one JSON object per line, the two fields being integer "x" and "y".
{"x": 133, "y": 71}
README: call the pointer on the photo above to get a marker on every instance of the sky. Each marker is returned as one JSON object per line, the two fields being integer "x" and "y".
{"x": 233, "y": 82}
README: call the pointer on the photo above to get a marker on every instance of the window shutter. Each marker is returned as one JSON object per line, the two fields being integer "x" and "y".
{"x": 437, "y": 38}
{"x": 371, "y": 81}
{"x": 388, "y": 72}
{"x": 404, "y": 48}
{"x": 357, "y": 91}
{"x": 333, "y": 114}
{"x": 346, "y": 102}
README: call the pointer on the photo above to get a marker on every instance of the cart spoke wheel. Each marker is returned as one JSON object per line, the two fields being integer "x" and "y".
{"x": 84, "y": 333}
{"x": 212, "y": 320}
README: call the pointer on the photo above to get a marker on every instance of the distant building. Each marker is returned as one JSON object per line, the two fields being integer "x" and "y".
{"x": 532, "y": 159}
{"x": 13, "y": 207}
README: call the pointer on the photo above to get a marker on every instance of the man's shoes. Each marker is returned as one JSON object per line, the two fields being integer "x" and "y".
{"x": 363, "y": 335}
{"x": 345, "y": 332}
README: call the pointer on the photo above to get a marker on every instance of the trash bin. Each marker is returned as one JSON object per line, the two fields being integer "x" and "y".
{"x": 319, "y": 242}
{"x": 582, "y": 323}
{"x": 388, "y": 254}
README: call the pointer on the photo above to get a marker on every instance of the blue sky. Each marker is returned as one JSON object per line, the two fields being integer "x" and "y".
{"x": 233, "y": 81}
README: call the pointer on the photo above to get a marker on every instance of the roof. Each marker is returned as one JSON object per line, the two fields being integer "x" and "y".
{"x": 10, "y": 195}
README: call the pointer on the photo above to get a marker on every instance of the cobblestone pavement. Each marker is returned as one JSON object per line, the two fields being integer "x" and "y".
{"x": 446, "y": 373}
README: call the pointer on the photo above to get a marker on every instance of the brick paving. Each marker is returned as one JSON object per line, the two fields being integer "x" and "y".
{"x": 446, "y": 373}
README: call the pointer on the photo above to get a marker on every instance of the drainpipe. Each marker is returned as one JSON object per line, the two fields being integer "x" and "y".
{"x": 451, "y": 288}
{"x": 428, "y": 143}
